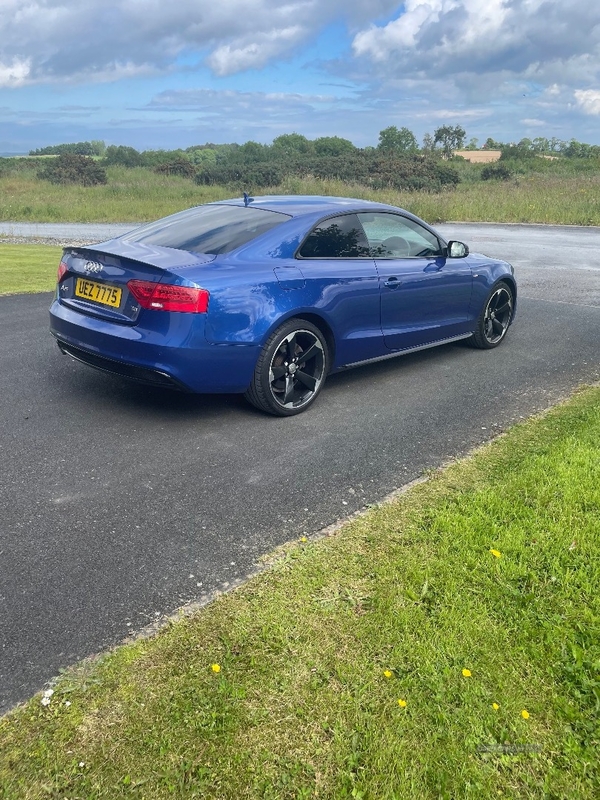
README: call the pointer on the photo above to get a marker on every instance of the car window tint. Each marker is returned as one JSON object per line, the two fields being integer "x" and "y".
{"x": 393, "y": 236}
{"x": 211, "y": 229}
{"x": 340, "y": 237}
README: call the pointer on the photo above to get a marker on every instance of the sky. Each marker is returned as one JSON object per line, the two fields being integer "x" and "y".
{"x": 153, "y": 74}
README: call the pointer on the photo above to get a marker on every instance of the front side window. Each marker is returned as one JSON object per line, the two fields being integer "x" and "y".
{"x": 211, "y": 229}
{"x": 393, "y": 236}
{"x": 340, "y": 237}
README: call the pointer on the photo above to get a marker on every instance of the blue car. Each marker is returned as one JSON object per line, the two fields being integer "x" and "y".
{"x": 266, "y": 296}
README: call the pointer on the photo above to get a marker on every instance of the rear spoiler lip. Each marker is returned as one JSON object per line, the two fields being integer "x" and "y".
{"x": 162, "y": 257}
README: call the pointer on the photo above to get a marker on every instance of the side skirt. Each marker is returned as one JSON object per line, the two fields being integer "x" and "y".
{"x": 397, "y": 353}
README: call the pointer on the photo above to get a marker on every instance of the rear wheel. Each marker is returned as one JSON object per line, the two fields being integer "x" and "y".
{"x": 495, "y": 318}
{"x": 290, "y": 370}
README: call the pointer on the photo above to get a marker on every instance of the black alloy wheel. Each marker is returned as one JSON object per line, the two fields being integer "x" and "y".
{"x": 290, "y": 369}
{"x": 495, "y": 319}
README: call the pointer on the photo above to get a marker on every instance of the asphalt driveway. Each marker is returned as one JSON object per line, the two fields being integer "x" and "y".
{"x": 119, "y": 503}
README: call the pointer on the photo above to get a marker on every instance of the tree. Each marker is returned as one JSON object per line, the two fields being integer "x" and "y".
{"x": 292, "y": 144}
{"x": 392, "y": 140}
{"x": 251, "y": 152}
{"x": 428, "y": 143}
{"x": 332, "y": 146}
{"x": 450, "y": 138}
{"x": 202, "y": 155}
{"x": 472, "y": 144}
{"x": 77, "y": 148}
{"x": 124, "y": 156}
{"x": 492, "y": 144}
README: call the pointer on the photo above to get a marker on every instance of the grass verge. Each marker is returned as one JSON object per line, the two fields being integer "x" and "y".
{"x": 444, "y": 645}
{"x": 560, "y": 195}
{"x": 28, "y": 267}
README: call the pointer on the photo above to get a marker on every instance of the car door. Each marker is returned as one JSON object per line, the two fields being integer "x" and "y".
{"x": 425, "y": 296}
{"x": 342, "y": 281}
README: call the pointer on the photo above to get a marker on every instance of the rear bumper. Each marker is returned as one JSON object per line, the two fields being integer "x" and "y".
{"x": 174, "y": 354}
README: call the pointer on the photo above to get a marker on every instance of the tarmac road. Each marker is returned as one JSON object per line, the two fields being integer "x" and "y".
{"x": 119, "y": 503}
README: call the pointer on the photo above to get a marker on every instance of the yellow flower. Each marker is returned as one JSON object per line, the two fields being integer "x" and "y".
{"x": 496, "y": 553}
{"x": 402, "y": 703}
{"x": 525, "y": 714}
{"x": 466, "y": 673}
{"x": 495, "y": 706}
{"x": 216, "y": 668}
{"x": 387, "y": 673}
{"x": 303, "y": 539}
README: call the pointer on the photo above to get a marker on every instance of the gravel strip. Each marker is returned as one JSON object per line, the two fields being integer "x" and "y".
{"x": 45, "y": 240}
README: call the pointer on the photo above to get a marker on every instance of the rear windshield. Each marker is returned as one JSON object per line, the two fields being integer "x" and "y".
{"x": 212, "y": 229}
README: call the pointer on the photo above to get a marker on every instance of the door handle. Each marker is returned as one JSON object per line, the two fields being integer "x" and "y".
{"x": 392, "y": 283}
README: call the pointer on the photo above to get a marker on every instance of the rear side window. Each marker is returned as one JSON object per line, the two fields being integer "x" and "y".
{"x": 340, "y": 237}
{"x": 212, "y": 229}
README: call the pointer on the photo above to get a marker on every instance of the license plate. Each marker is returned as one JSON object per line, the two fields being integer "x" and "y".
{"x": 98, "y": 292}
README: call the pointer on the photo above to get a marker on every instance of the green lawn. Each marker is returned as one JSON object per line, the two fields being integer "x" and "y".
{"x": 28, "y": 267}
{"x": 445, "y": 645}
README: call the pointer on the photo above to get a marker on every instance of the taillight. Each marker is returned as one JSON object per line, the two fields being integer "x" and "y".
{"x": 62, "y": 271}
{"x": 167, "y": 297}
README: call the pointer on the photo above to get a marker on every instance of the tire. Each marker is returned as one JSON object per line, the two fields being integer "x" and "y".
{"x": 495, "y": 318}
{"x": 290, "y": 370}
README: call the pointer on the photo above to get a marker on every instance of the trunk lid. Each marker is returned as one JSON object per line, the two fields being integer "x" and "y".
{"x": 96, "y": 276}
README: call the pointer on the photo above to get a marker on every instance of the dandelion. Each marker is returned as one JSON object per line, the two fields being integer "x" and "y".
{"x": 216, "y": 668}
{"x": 466, "y": 673}
{"x": 402, "y": 703}
{"x": 496, "y": 553}
{"x": 525, "y": 714}
{"x": 387, "y": 673}
{"x": 495, "y": 706}
{"x": 303, "y": 539}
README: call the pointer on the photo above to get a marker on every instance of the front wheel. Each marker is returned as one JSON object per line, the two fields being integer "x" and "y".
{"x": 495, "y": 318}
{"x": 290, "y": 370}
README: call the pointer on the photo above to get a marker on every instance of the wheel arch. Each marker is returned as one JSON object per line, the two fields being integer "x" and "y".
{"x": 318, "y": 321}
{"x": 510, "y": 280}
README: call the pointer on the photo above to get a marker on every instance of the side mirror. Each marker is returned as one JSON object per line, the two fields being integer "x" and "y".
{"x": 457, "y": 250}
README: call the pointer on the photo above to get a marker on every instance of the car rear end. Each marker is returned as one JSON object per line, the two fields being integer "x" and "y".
{"x": 134, "y": 311}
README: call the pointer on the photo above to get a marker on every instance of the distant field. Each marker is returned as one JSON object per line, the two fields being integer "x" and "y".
{"x": 553, "y": 194}
{"x": 479, "y": 156}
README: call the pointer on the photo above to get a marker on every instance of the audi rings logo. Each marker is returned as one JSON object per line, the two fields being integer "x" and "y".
{"x": 92, "y": 267}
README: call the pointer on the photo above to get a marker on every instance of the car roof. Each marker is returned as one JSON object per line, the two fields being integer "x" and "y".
{"x": 299, "y": 205}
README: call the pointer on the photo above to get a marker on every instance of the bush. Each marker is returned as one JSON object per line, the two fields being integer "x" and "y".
{"x": 515, "y": 152}
{"x": 370, "y": 169}
{"x": 495, "y": 172}
{"x": 246, "y": 177}
{"x": 72, "y": 168}
{"x": 177, "y": 166}
{"x": 123, "y": 156}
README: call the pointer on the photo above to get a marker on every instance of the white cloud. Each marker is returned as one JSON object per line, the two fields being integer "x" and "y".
{"x": 67, "y": 39}
{"x": 454, "y": 114}
{"x": 537, "y": 40}
{"x": 256, "y": 52}
{"x": 589, "y": 100}
{"x": 14, "y": 74}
